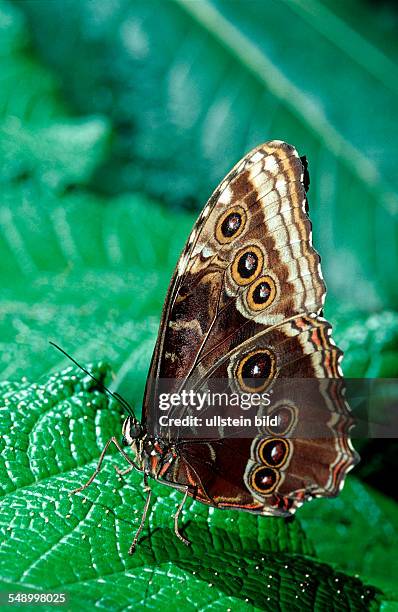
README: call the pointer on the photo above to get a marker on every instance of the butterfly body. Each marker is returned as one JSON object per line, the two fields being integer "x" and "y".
{"x": 245, "y": 306}
{"x": 169, "y": 464}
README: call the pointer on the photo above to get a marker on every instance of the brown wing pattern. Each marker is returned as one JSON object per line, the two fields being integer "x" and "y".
{"x": 248, "y": 263}
{"x": 241, "y": 473}
{"x": 245, "y": 303}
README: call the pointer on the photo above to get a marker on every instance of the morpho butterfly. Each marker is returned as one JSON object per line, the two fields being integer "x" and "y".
{"x": 245, "y": 306}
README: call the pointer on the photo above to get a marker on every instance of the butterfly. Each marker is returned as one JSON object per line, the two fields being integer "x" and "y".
{"x": 245, "y": 306}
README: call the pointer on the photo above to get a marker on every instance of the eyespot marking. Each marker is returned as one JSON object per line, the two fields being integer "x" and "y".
{"x": 261, "y": 293}
{"x": 247, "y": 265}
{"x": 264, "y": 479}
{"x": 256, "y": 370}
{"x": 274, "y": 452}
{"x": 230, "y": 224}
{"x": 287, "y": 418}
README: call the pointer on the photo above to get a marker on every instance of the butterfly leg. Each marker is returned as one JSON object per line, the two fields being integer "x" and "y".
{"x": 114, "y": 441}
{"x": 148, "y": 491}
{"x": 176, "y": 517}
{"x": 124, "y": 472}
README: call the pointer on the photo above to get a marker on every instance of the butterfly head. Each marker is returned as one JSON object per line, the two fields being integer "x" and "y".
{"x": 131, "y": 431}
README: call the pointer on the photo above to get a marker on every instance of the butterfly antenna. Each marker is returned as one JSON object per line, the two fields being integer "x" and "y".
{"x": 116, "y": 396}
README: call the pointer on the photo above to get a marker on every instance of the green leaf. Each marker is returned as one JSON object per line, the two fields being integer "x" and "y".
{"x": 370, "y": 342}
{"x": 13, "y": 35}
{"x": 51, "y": 436}
{"x": 27, "y": 89}
{"x": 86, "y": 272}
{"x": 97, "y": 288}
{"x": 37, "y": 139}
{"x": 194, "y": 85}
{"x": 57, "y": 155}
{"x": 367, "y": 523}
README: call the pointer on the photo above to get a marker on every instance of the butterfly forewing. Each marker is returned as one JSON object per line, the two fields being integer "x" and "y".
{"x": 249, "y": 259}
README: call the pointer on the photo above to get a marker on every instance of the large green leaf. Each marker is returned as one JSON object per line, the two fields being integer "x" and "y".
{"x": 91, "y": 274}
{"x": 74, "y": 269}
{"x": 27, "y": 89}
{"x": 366, "y": 526}
{"x": 191, "y": 86}
{"x": 51, "y": 435}
{"x": 58, "y": 155}
{"x": 370, "y": 342}
{"x": 38, "y": 140}
{"x": 97, "y": 286}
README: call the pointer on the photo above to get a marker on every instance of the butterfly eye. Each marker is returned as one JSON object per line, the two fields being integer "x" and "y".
{"x": 124, "y": 441}
{"x": 256, "y": 370}
{"x": 261, "y": 293}
{"x": 264, "y": 479}
{"x": 247, "y": 265}
{"x": 231, "y": 224}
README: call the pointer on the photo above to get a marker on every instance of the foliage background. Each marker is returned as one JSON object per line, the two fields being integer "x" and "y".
{"x": 118, "y": 118}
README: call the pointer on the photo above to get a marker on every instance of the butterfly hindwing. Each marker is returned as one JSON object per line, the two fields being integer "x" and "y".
{"x": 311, "y": 443}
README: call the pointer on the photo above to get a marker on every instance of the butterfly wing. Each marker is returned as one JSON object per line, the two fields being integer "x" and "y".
{"x": 256, "y": 218}
{"x": 244, "y": 304}
{"x": 308, "y": 454}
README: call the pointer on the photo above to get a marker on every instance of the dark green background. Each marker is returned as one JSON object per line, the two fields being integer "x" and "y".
{"x": 118, "y": 119}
